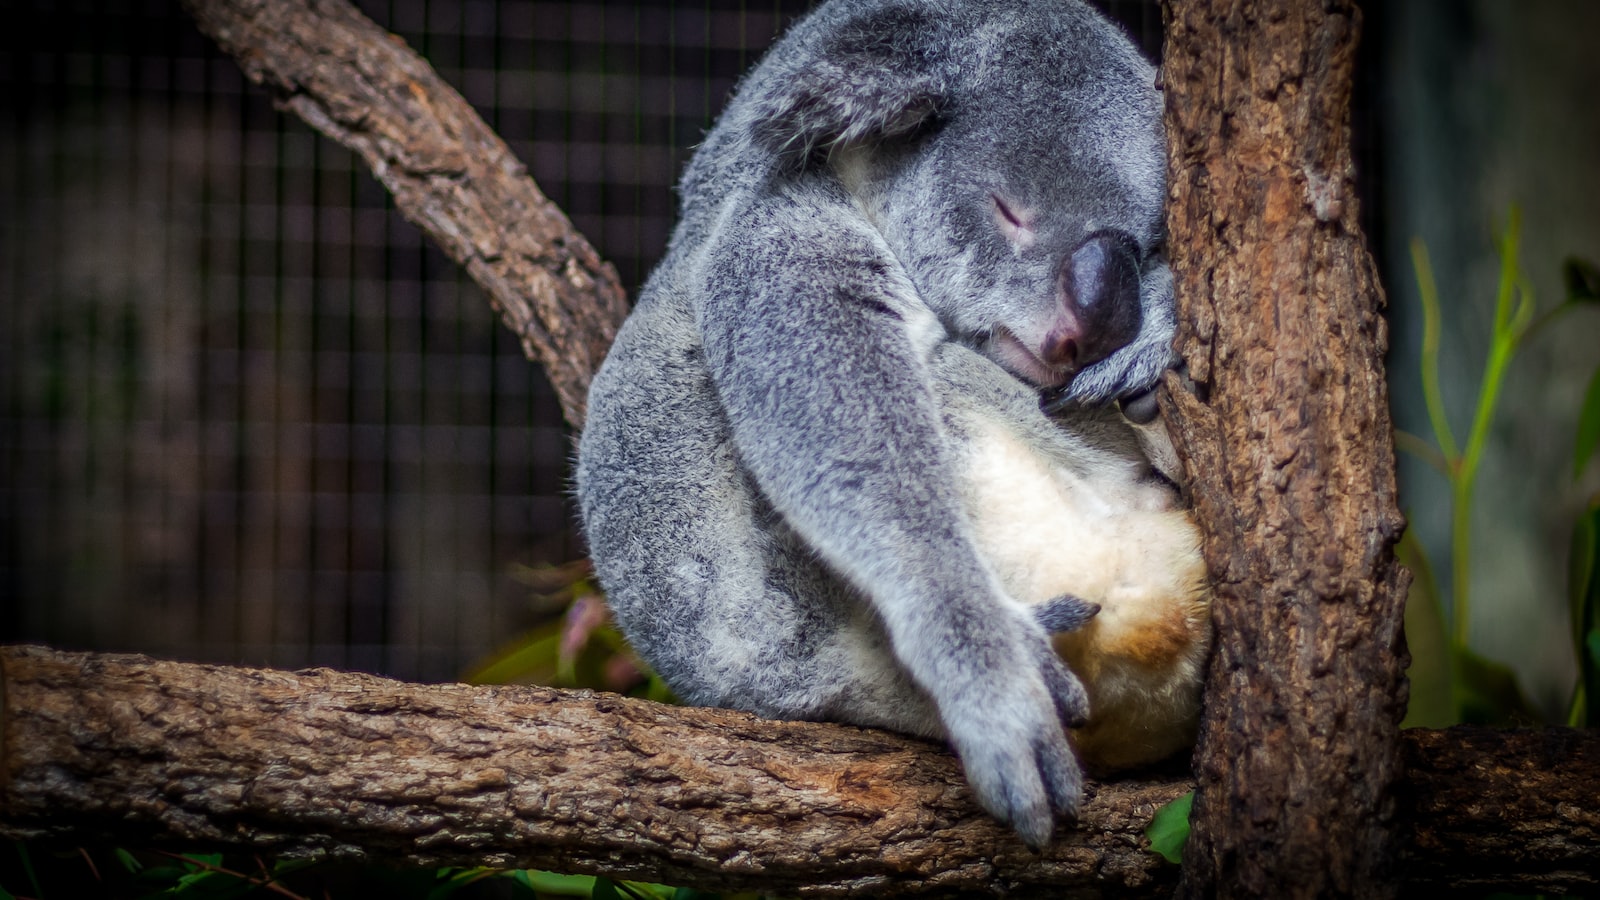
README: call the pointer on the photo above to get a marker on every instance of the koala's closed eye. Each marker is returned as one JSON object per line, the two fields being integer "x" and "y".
{"x": 1016, "y": 226}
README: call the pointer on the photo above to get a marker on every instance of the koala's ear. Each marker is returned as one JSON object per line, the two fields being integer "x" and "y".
{"x": 872, "y": 81}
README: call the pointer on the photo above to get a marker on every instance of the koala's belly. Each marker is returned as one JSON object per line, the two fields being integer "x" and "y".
{"x": 1047, "y": 531}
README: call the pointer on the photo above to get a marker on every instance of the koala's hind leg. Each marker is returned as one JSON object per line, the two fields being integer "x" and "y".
{"x": 712, "y": 588}
{"x": 761, "y": 626}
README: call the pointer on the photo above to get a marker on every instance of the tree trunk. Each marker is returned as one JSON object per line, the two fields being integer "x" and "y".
{"x": 449, "y": 173}
{"x": 331, "y": 765}
{"x": 1285, "y": 434}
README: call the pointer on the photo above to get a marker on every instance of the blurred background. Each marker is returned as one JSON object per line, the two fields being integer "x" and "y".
{"x": 248, "y": 415}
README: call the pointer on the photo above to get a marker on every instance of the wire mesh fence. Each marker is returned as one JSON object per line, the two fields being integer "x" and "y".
{"x": 248, "y": 414}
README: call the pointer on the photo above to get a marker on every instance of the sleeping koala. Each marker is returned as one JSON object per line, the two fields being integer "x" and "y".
{"x": 816, "y": 479}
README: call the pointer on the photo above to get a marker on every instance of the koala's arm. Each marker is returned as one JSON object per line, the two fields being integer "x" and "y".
{"x": 819, "y": 347}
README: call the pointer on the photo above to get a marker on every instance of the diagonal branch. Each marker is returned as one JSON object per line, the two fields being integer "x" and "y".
{"x": 449, "y": 173}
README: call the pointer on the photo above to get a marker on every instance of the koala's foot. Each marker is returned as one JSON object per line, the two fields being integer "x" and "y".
{"x": 1016, "y": 755}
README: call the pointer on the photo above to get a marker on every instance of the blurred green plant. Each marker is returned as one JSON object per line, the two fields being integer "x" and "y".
{"x": 580, "y": 649}
{"x": 1451, "y": 683}
{"x": 150, "y": 875}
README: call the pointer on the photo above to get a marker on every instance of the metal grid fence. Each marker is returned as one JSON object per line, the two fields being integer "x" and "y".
{"x": 248, "y": 414}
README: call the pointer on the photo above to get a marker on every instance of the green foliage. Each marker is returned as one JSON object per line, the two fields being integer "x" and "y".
{"x": 216, "y": 876}
{"x": 1169, "y": 828}
{"x": 1449, "y": 682}
{"x": 580, "y": 649}
{"x": 1588, "y": 427}
{"x": 1584, "y": 593}
{"x": 1433, "y": 702}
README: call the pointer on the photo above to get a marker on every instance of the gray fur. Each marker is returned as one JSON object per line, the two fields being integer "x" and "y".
{"x": 768, "y": 475}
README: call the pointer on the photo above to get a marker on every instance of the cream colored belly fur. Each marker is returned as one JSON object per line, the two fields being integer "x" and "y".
{"x": 1121, "y": 543}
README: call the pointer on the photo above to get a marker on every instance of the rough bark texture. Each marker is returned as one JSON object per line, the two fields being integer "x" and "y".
{"x": 1501, "y": 810}
{"x": 1286, "y": 437}
{"x": 449, "y": 173}
{"x": 328, "y": 764}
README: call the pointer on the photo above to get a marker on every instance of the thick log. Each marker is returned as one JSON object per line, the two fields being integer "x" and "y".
{"x": 329, "y": 764}
{"x": 449, "y": 173}
{"x": 1490, "y": 810}
{"x": 325, "y": 764}
{"x": 1285, "y": 435}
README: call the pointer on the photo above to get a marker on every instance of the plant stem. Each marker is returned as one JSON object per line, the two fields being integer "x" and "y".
{"x": 1431, "y": 395}
{"x": 1510, "y": 325}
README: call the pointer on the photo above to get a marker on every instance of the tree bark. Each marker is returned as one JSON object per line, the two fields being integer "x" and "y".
{"x": 449, "y": 173}
{"x": 334, "y": 765}
{"x": 346, "y": 766}
{"x": 1285, "y": 434}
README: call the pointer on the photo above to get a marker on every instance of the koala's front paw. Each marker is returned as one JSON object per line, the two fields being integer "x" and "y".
{"x": 1129, "y": 372}
{"x": 1015, "y": 752}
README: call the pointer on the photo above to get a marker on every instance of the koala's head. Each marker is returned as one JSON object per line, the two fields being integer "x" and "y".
{"x": 1012, "y": 156}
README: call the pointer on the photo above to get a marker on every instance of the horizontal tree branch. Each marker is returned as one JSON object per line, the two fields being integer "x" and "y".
{"x": 449, "y": 173}
{"x": 337, "y": 765}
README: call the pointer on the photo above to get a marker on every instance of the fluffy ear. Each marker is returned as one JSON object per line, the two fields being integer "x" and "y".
{"x": 873, "y": 81}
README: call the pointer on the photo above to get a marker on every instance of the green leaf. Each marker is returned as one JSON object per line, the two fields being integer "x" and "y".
{"x": 1588, "y": 426}
{"x": 1169, "y": 828}
{"x": 201, "y": 879}
{"x": 1433, "y": 702}
{"x": 127, "y": 859}
{"x": 556, "y": 884}
{"x": 1583, "y": 592}
{"x": 27, "y": 868}
{"x": 1582, "y": 278}
{"x": 532, "y": 658}
{"x": 1487, "y": 692}
{"x": 1582, "y": 579}
{"x": 448, "y": 881}
{"x": 605, "y": 890}
{"x": 200, "y": 861}
{"x": 644, "y": 890}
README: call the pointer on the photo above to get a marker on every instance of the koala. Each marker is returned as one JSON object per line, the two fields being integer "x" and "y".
{"x": 816, "y": 478}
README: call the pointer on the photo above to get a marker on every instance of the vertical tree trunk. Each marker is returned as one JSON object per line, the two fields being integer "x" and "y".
{"x": 1286, "y": 435}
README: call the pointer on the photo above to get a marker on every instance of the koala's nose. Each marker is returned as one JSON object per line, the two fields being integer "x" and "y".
{"x": 1100, "y": 302}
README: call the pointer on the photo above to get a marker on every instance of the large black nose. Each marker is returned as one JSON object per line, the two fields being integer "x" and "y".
{"x": 1099, "y": 288}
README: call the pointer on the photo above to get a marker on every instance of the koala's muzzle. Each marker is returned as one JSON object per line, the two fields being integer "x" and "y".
{"x": 1100, "y": 302}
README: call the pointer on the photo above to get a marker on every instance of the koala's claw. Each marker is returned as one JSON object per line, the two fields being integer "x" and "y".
{"x": 1026, "y": 785}
{"x": 1071, "y": 700}
{"x": 1064, "y": 613}
{"x": 1063, "y": 781}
